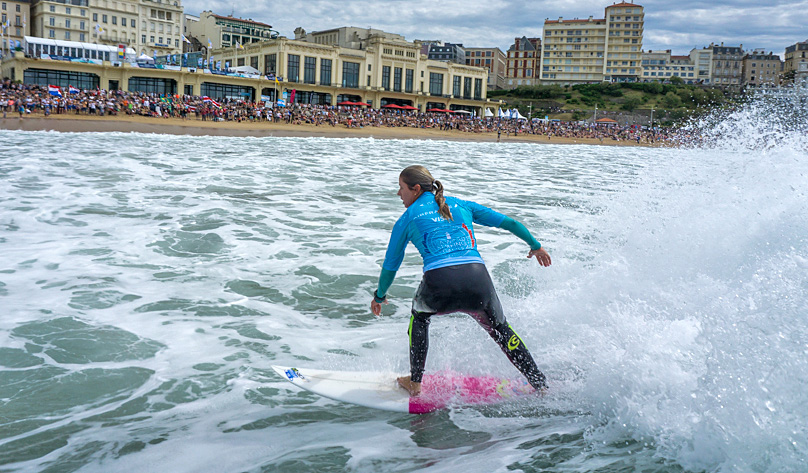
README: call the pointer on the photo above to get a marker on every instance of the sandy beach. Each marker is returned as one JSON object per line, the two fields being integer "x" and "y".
{"x": 72, "y": 123}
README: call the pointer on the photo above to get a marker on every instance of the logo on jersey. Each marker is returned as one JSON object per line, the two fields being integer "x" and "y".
{"x": 449, "y": 239}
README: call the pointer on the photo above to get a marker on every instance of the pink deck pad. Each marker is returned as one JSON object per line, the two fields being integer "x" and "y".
{"x": 444, "y": 388}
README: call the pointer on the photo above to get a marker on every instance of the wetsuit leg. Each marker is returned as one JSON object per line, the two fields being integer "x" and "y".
{"x": 465, "y": 288}
{"x": 419, "y": 344}
{"x": 492, "y": 319}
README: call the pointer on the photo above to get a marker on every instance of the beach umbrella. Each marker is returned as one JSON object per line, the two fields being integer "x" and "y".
{"x": 346, "y": 102}
{"x": 392, "y": 105}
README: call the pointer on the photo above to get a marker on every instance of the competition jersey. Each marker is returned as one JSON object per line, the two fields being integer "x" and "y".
{"x": 441, "y": 242}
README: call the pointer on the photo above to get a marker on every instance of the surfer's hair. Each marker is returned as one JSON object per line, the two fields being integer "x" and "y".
{"x": 419, "y": 175}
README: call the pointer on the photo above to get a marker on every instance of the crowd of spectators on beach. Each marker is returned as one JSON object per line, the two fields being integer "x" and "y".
{"x": 31, "y": 99}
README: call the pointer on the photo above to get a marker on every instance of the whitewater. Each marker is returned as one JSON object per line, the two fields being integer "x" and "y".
{"x": 148, "y": 282}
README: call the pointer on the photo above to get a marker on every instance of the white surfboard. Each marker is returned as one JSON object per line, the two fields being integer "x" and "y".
{"x": 379, "y": 390}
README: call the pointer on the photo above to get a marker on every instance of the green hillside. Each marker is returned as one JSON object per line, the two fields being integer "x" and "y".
{"x": 671, "y": 102}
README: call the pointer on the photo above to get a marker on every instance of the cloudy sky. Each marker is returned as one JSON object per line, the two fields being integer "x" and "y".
{"x": 677, "y": 25}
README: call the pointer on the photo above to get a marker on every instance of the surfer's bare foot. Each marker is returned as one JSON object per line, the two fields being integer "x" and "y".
{"x": 411, "y": 386}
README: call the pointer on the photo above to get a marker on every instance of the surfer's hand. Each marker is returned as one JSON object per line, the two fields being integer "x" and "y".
{"x": 541, "y": 256}
{"x": 376, "y": 307}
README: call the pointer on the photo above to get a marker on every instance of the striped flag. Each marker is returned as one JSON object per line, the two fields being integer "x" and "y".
{"x": 209, "y": 100}
{"x": 53, "y": 90}
{"x": 186, "y": 39}
{"x": 72, "y": 89}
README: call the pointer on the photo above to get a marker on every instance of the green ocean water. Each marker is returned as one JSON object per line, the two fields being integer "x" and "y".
{"x": 147, "y": 283}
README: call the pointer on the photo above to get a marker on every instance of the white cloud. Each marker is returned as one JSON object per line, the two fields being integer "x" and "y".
{"x": 679, "y": 26}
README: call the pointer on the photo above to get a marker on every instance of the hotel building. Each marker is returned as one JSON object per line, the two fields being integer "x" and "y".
{"x": 796, "y": 54}
{"x": 727, "y": 65}
{"x": 17, "y": 13}
{"x": 760, "y": 68}
{"x": 67, "y": 20}
{"x": 492, "y": 59}
{"x": 148, "y": 26}
{"x": 523, "y": 62}
{"x": 594, "y": 50}
{"x": 662, "y": 66}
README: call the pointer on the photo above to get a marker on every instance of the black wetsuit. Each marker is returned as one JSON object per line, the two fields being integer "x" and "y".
{"x": 465, "y": 288}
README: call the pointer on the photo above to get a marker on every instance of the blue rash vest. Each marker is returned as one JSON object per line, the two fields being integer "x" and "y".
{"x": 441, "y": 242}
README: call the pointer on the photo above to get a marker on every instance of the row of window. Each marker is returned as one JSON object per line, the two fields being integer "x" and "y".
{"x": 5, "y": 7}
{"x": 68, "y": 10}
{"x": 17, "y": 21}
{"x": 668, "y": 74}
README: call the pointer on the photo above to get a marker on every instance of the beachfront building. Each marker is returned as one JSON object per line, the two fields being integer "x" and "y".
{"x": 381, "y": 70}
{"x": 148, "y": 26}
{"x": 594, "y": 50}
{"x": 67, "y": 20}
{"x": 661, "y": 66}
{"x": 624, "y": 31}
{"x": 761, "y": 69}
{"x": 702, "y": 59}
{"x": 114, "y": 22}
{"x": 523, "y": 62}
{"x": 492, "y": 59}
{"x": 15, "y": 13}
{"x": 727, "y": 65}
{"x": 796, "y": 54}
{"x": 214, "y": 31}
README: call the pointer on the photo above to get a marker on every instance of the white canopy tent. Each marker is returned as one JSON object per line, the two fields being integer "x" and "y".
{"x": 488, "y": 113}
{"x": 515, "y": 114}
{"x": 145, "y": 59}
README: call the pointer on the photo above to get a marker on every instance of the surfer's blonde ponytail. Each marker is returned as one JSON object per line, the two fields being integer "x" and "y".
{"x": 419, "y": 175}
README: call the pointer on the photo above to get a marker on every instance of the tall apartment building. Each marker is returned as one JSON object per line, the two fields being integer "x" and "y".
{"x": 761, "y": 68}
{"x": 226, "y": 31}
{"x": 594, "y": 50}
{"x": 18, "y": 14}
{"x": 796, "y": 54}
{"x": 703, "y": 60}
{"x": 624, "y": 24}
{"x": 61, "y": 19}
{"x": 492, "y": 59}
{"x": 662, "y": 66}
{"x": 523, "y": 62}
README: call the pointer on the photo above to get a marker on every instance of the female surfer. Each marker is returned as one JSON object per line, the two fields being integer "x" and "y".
{"x": 455, "y": 277}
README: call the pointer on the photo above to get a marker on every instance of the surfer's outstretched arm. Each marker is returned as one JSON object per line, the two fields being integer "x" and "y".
{"x": 524, "y": 234}
{"x": 380, "y": 296}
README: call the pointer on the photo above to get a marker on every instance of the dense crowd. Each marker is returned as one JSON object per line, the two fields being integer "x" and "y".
{"x": 31, "y": 99}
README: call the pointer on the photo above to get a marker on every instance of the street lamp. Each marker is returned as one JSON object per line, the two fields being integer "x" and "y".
{"x": 652, "y": 118}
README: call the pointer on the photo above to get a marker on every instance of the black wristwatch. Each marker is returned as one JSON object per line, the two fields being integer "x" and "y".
{"x": 377, "y": 298}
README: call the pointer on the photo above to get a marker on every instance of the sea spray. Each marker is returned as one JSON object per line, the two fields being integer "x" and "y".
{"x": 691, "y": 324}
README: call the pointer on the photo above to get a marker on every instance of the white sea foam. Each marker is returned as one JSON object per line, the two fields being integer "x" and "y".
{"x": 158, "y": 277}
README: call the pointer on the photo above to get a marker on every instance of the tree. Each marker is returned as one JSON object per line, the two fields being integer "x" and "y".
{"x": 631, "y": 104}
